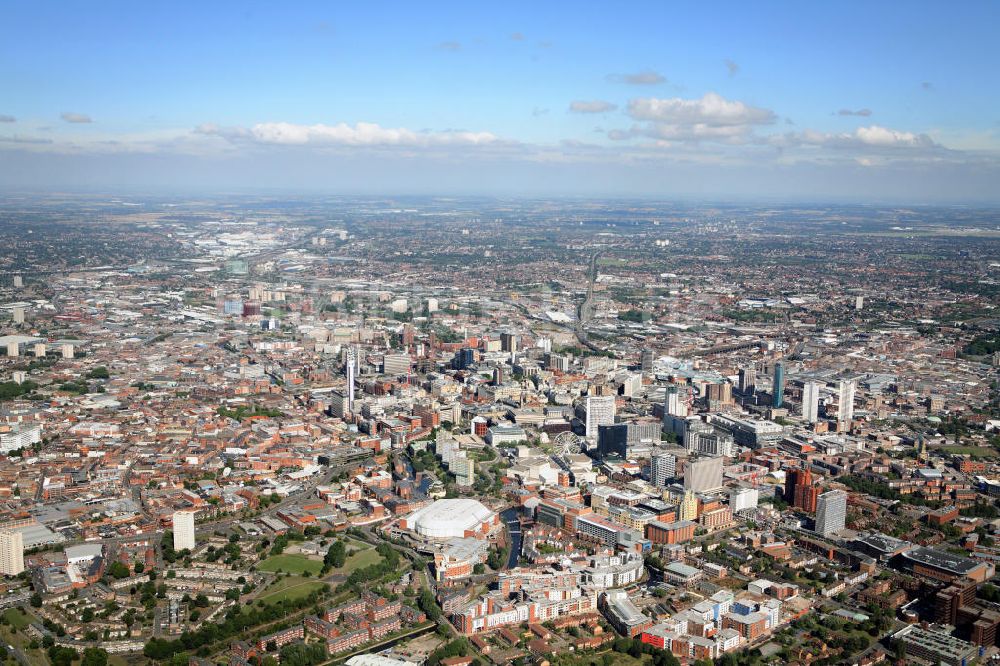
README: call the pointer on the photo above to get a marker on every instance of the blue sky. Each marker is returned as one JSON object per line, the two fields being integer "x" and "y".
{"x": 840, "y": 101}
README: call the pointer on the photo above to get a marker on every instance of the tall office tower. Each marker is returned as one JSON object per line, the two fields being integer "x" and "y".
{"x": 352, "y": 368}
{"x": 831, "y": 512}
{"x": 662, "y": 468}
{"x": 703, "y": 474}
{"x": 710, "y": 443}
{"x": 600, "y": 411}
{"x": 338, "y": 405}
{"x": 67, "y": 351}
{"x": 748, "y": 379}
{"x": 859, "y": 302}
{"x": 11, "y": 552}
{"x": 407, "y": 335}
{"x": 646, "y": 360}
{"x": 464, "y": 469}
{"x": 184, "y": 530}
{"x": 810, "y": 402}
{"x": 778, "y": 388}
{"x": 799, "y": 489}
{"x": 719, "y": 394}
{"x": 18, "y": 315}
{"x": 673, "y": 404}
{"x": 612, "y": 440}
{"x": 396, "y": 364}
{"x": 508, "y": 343}
{"x": 432, "y": 305}
{"x": 464, "y": 358}
{"x": 845, "y": 405}
{"x": 18, "y": 282}
{"x": 688, "y": 509}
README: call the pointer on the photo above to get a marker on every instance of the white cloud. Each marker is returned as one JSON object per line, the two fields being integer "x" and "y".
{"x": 709, "y": 118}
{"x": 591, "y": 106}
{"x": 873, "y": 137}
{"x": 360, "y": 134}
{"x": 712, "y": 109}
{"x": 76, "y": 117}
{"x": 644, "y": 78}
{"x": 882, "y": 136}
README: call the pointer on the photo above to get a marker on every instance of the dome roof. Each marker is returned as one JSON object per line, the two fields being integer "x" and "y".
{"x": 449, "y": 518}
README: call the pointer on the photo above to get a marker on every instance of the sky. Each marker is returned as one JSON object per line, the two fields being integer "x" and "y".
{"x": 846, "y": 101}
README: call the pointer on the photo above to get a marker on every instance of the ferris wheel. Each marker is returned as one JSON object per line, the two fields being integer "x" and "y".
{"x": 568, "y": 442}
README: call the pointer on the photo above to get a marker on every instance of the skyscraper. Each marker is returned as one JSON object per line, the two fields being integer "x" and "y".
{"x": 810, "y": 402}
{"x": 778, "y": 388}
{"x": 748, "y": 379}
{"x": 673, "y": 404}
{"x": 662, "y": 468}
{"x": 703, "y": 474}
{"x": 845, "y": 404}
{"x": 508, "y": 343}
{"x": 352, "y": 368}
{"x": 184, "y": 530}
{"x": 831, "y": 512}
{"x": 600, "y": 411}
{"x": 799, "y": 489}
{"x": 11, "y": 552}
{"x": 646, "y": 360}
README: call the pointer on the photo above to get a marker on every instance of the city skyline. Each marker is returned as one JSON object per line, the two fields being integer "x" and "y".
{"x": 853, "y": 103}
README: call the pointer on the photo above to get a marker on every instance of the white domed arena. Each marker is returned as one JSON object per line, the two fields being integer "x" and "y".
{"x": 451, "y": 518}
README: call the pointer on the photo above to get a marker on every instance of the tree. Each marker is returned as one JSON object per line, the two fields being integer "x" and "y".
{"x": 428, "y": 605}
{"x": 336, "y": 556}
{"x": 62, "y": 656}
{"x": 118, "y": 570}
{"x": 94, "y": 656}
{"x": 36, "y": 600}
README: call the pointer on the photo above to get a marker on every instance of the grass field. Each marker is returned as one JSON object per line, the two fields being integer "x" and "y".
{"x": 983, "y": 451}
{"x": 362, "y": 558}
{"x": 17, "y": 618}
{"x": 293, "y": 587}
{"x": 293, "y": 564}
{"x": 16, "y": 636}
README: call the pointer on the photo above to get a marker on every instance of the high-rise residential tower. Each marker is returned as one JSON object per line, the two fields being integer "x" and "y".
{"x": 11, "y": 552}
{"x": 831, "y": 512}
{"x": 184, "y": 530}
{"x": 845, "y": 404}
{"x": 810, "y": 402}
